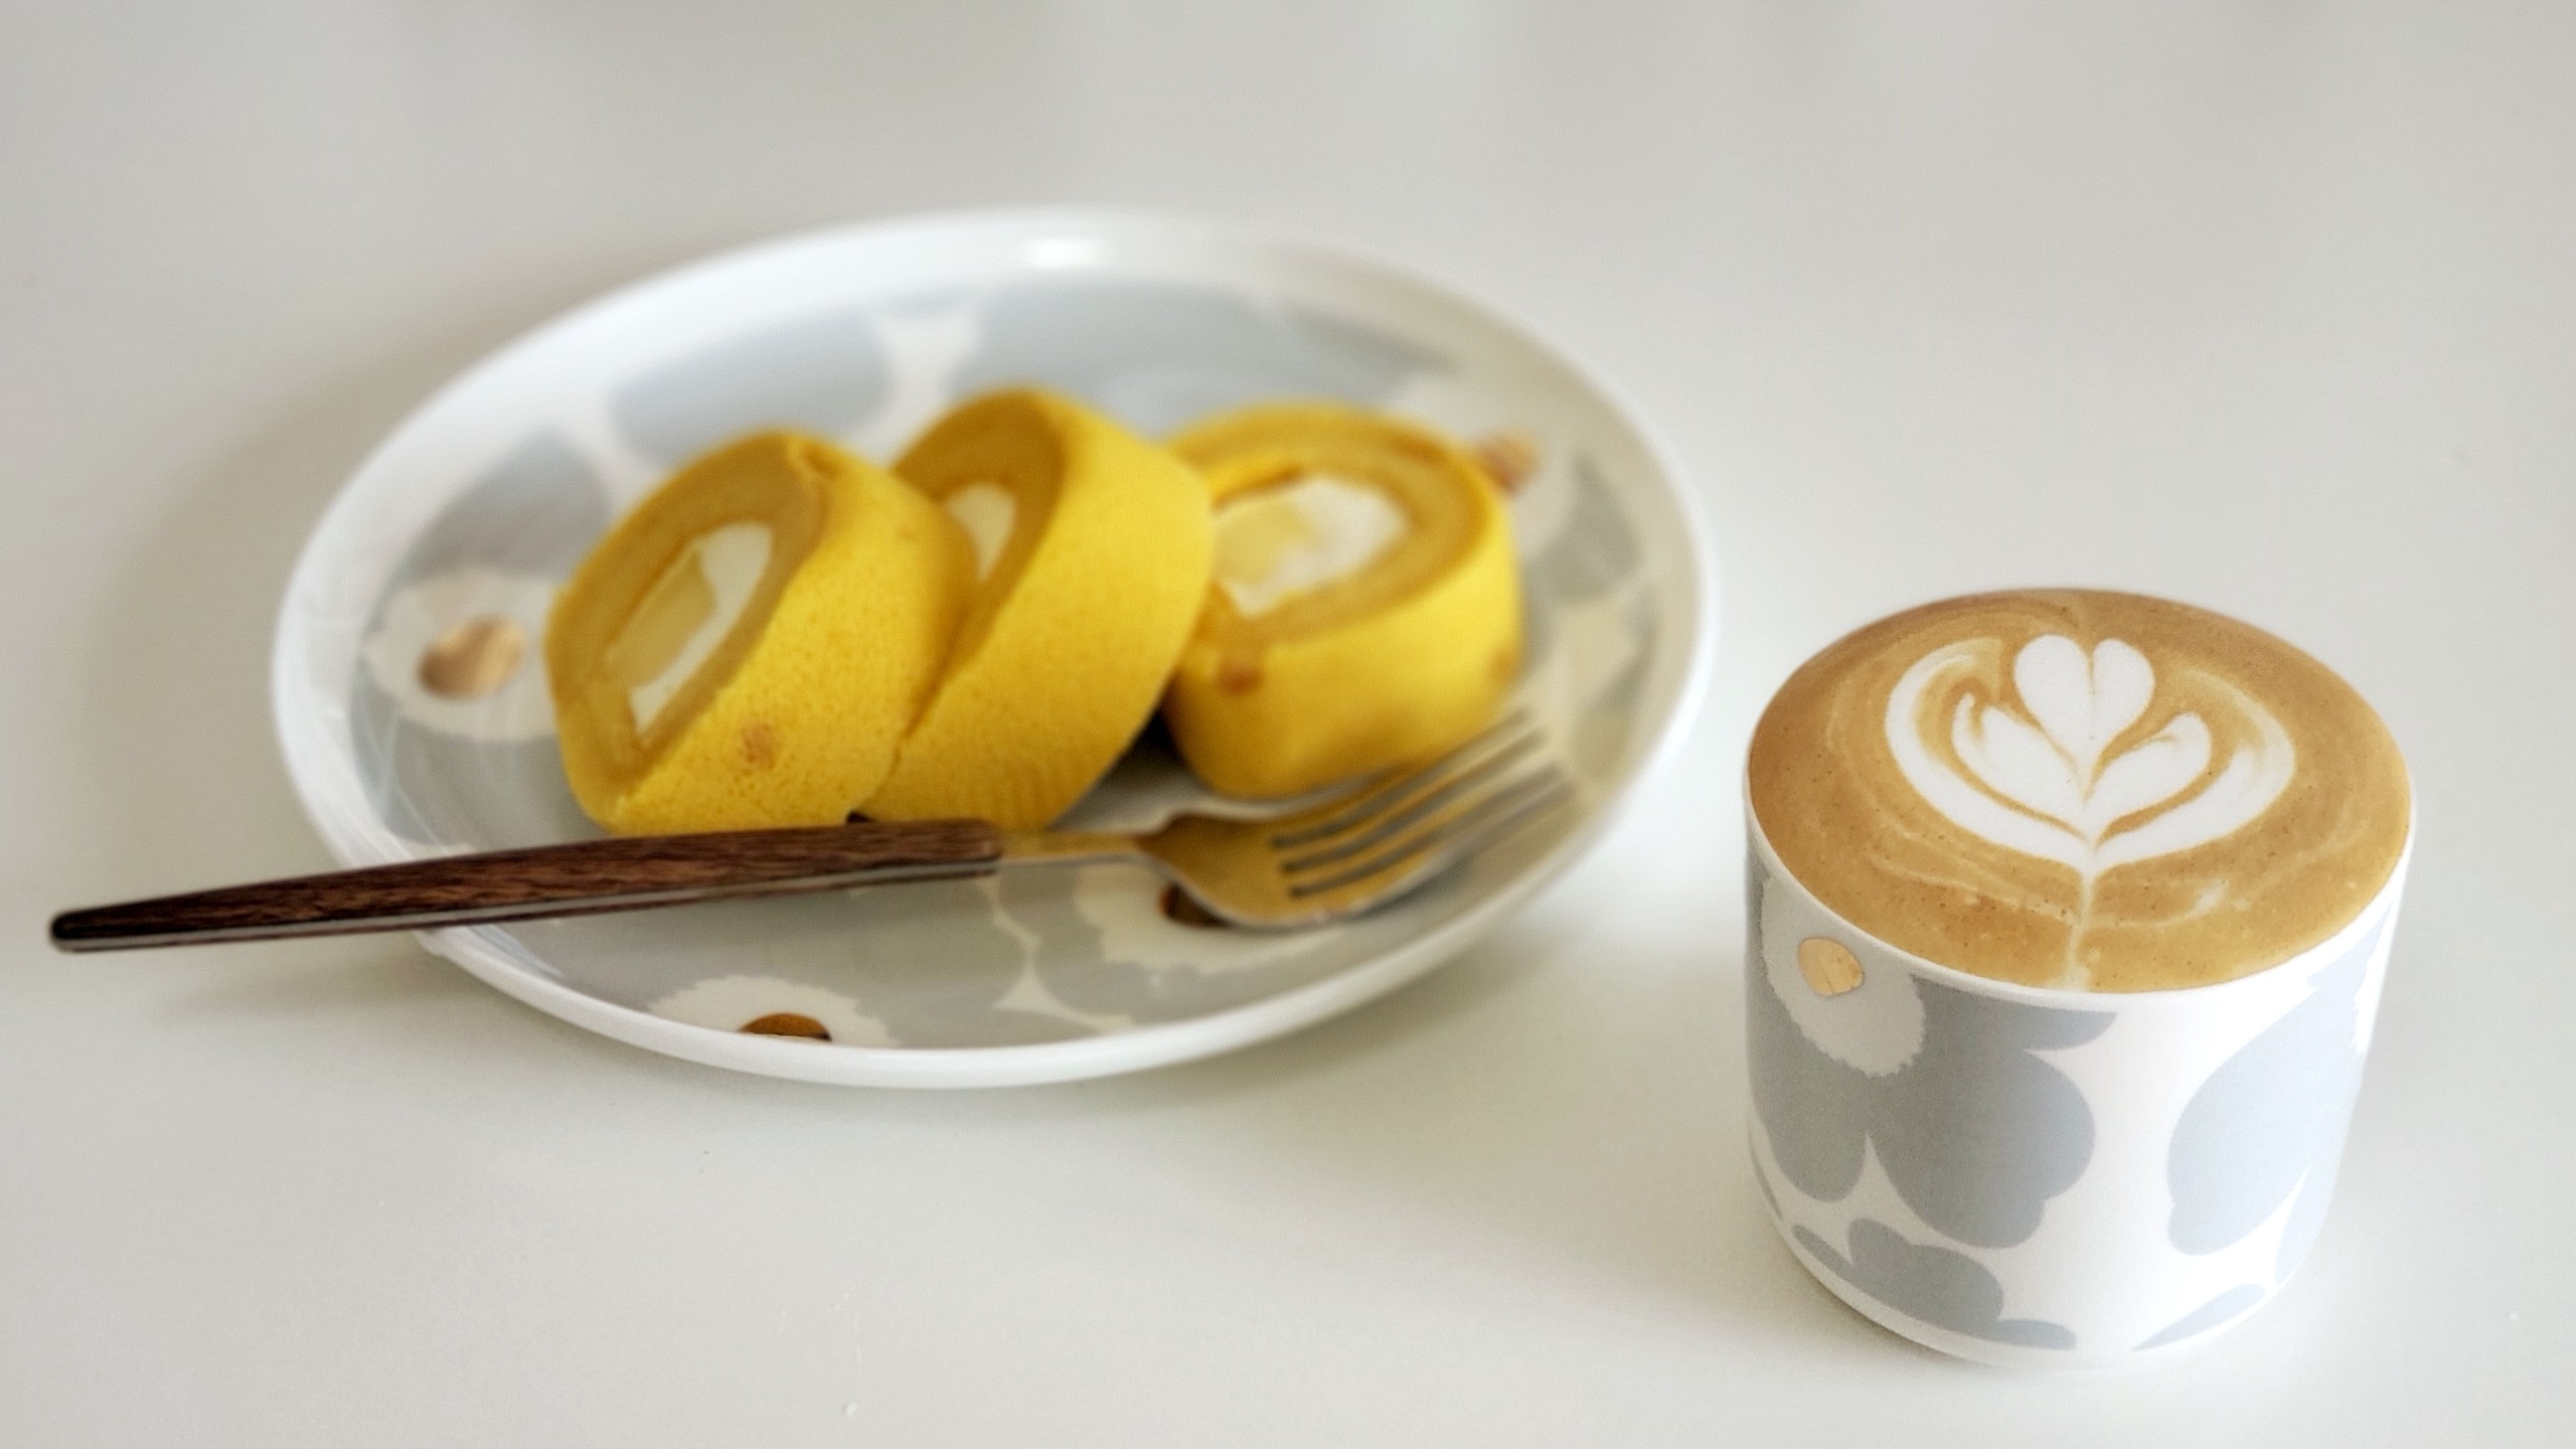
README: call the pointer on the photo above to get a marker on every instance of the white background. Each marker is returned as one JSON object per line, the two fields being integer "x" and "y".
{"x": 2267, "y": 305}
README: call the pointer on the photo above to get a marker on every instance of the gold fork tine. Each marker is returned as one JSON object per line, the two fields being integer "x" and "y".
{"x": 1338, "y": 860}
{"x": 1468, "y": 831}
{"x": 1393, "y": 822}
{"x": 1337, "y": 816}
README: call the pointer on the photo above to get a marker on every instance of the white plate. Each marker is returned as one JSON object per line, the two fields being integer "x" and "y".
{"x": 488, "y": 495}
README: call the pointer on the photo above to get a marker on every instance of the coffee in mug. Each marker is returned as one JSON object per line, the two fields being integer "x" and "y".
{"x": 2067, "y": 914}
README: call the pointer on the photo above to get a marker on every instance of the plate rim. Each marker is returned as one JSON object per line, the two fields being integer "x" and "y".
{"x": 1142, "y": 1047}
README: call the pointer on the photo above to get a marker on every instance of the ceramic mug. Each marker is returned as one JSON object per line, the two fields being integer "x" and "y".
{"x": 2033, "y": 1176}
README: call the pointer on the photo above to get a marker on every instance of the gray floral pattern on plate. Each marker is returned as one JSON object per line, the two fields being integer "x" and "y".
{"x": 819, "y": 374}
{"x": 1160, "y": 356}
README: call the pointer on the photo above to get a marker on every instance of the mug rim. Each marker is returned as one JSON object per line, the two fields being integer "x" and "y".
{"x": 2351, "y": 931}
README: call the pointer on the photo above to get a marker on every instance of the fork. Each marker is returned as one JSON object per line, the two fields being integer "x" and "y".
{"x": 1318, "y": 865}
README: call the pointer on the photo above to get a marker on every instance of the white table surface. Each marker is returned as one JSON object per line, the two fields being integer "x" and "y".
{"x": 2268, "y": 306}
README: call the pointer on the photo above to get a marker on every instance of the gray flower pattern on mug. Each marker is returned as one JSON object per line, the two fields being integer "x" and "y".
{"x": 1943, "y": 1288}
{"x": 1974, "y": 1131}
{"x": 2270, "y": 1121}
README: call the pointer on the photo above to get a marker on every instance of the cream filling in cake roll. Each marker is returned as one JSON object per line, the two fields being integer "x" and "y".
{"x": 1292, "y": 538}
{"x": 687, "y": 613}
{"x": 986, "y": 511}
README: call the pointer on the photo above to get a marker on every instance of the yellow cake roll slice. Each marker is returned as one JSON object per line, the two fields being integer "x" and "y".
{"x": 749, "y": 645}
{"x": 1366, "y": 607}
{"x": 1091, "y": 552}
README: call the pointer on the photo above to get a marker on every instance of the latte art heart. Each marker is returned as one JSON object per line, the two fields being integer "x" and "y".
{"x": 2044, "y": 779}
{"x": 2079, "y": 789}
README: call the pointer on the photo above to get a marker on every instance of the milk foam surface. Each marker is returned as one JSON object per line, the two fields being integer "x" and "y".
{"x": 2080, "y": 789}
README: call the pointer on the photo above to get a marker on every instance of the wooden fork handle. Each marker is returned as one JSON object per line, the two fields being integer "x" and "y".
{"x": 623, "y": 874}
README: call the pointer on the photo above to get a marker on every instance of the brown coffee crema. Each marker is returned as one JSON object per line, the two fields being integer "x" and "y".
{"x": 2080, "y": 789}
